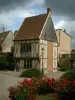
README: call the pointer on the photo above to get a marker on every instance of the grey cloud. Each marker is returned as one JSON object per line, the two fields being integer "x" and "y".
{"x": 73, "y": 43}
{"x": 73, "y": 39}
{"x": 7, "y": 5}
{"x": 73, "y": 35}
{"x": 62, "y": 7}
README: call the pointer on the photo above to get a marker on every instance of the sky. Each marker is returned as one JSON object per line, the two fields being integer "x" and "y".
{"x": 13, "y": 12}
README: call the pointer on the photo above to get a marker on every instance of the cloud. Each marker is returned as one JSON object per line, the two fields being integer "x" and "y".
{"x": 62, "y": 8}
{"x": 69, "y": 26}
{"x": 11, "y": 9}
{"x": 60, "y": 24}
{"x": 7, "y": 5}
{"x": 8, "y": 19}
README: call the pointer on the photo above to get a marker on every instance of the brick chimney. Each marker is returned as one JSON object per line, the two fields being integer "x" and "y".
{"x": 64, "y": 30}
{"x": 49, "y": 10}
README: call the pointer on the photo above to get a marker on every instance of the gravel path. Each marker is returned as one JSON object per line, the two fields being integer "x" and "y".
{"x": 5, "y": 82}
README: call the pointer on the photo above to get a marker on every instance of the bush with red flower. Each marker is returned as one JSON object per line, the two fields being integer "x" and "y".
{"x": 45, "y": 86}
{"x": 66, "y": 86}
{"x": 23, "y": 91}
{"x": 29, "y": 88}
{"x": 66, "y": 89}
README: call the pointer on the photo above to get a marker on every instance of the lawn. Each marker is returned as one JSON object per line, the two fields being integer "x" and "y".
{"x": 51, "y": 96}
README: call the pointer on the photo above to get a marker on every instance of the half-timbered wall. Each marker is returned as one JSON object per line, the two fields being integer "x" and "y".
{"x": 34, "y": 49}
{"x": 47, "y": 57}
{"x": 22, "y": 56}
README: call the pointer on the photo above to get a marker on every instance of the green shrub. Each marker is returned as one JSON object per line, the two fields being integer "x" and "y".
{"x": 63, "y": 68}
{"x": 6, "y": 62}
{"x": 70, "y": 74}
{"x": 64, "y": 64}
{"x": 33, "y": 72}
{"x": 45, "y": 97}
{"x": 66, "y": 86}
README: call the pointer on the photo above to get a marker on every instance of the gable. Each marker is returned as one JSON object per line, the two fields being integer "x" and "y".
{"x": 48, "y": 32}
{"x": 3, "y": 36}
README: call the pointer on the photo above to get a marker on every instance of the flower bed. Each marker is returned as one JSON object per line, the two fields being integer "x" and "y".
{"x": 66, "y": 89}
{"x": 28, "y": 89}
{"x": 46, "y": 85}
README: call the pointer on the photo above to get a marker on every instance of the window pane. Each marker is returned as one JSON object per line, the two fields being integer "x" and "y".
{"x": 22, "y": 48}
{"x": 24, "y": 63}
{"x": 28, "y": 63}
{"x": 29, "y": 47}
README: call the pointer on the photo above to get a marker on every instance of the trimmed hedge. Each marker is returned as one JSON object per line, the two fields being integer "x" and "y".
{"x": 33, "y": 72}
{"x": 6, "y": 61}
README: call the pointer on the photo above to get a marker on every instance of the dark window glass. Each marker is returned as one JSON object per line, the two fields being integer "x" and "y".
{"x": 63, "y": 55}
{"x": 0, "y": 49}
{"x": 22, "y": 47}
{"x": 26, "y": 47}
{"x": 29, "y": 47}
{"x": 28, "y": 63}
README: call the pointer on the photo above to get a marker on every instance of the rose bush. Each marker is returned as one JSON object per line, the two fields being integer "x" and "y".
{"x": 66, "y": 89}
{"x": 23, "y": 91}
{"x": 46, "y": 85}
{"x": 29, "y": 88}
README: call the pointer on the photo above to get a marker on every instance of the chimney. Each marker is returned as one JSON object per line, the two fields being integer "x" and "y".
{"x": 64, "y": 30}
{"x": 49, "y": 10}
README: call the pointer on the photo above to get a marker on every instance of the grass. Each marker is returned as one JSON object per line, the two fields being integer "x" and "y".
{"x": 47, "y": 97}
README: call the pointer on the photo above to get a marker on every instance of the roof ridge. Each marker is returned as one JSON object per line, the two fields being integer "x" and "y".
{"x": 36, "y": 15}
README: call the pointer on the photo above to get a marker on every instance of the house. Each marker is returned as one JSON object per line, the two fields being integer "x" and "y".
{"x": 6, "y": 41}
{"x": 64, "y": 42}
{"x": 35, "y": 44}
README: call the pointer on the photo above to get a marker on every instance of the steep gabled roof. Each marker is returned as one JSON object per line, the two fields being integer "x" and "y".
{"x": 3, "y": 36}
{"x": 31, "y": 27}
{"x": 35, "y": 27}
